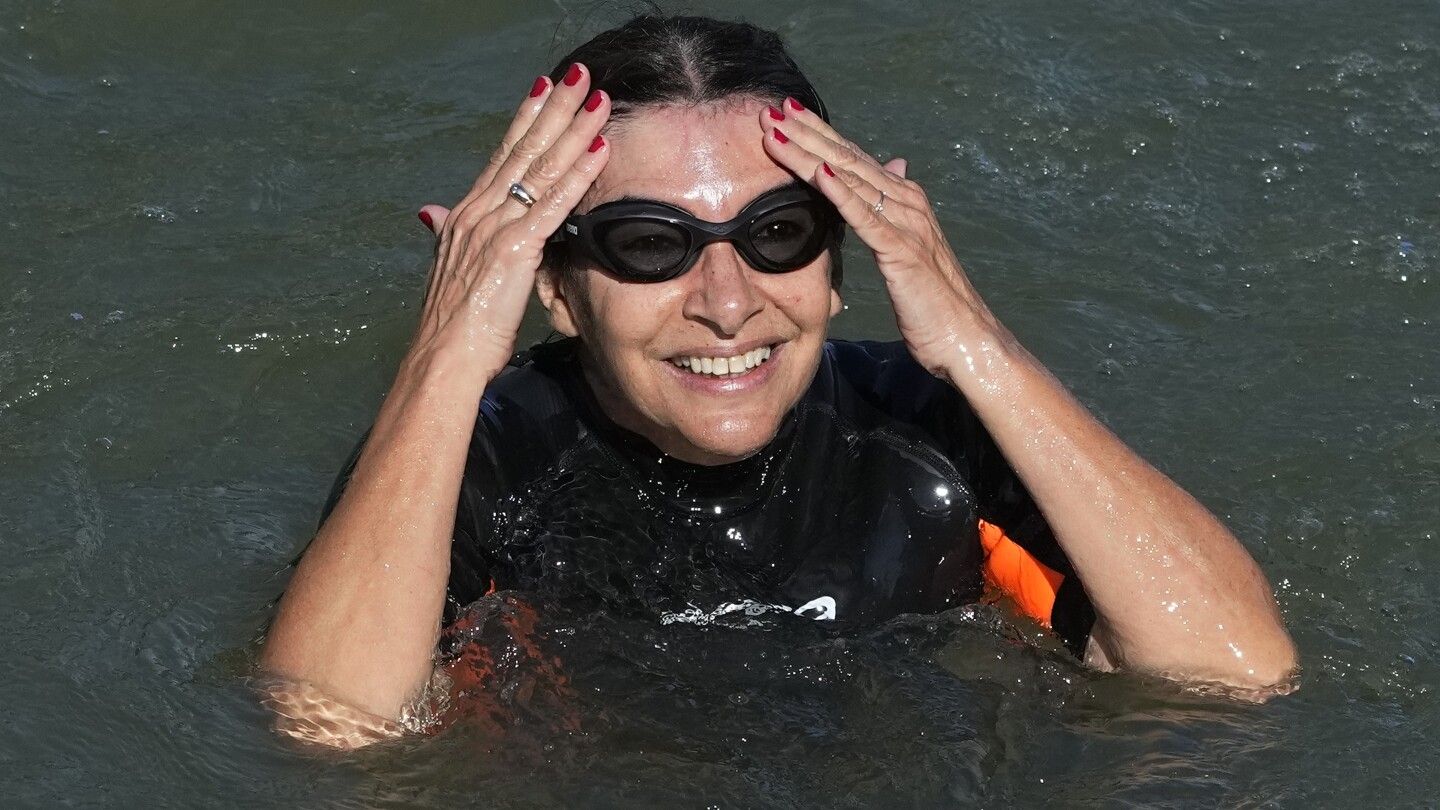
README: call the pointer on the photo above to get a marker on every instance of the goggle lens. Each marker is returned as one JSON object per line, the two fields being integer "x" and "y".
{"x": 643, "y": 249}
{"x": 644, "y": 241}
{"x": 789, "y": 237}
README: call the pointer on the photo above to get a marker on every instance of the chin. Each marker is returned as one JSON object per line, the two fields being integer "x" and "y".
{"x": 725, "y": 440}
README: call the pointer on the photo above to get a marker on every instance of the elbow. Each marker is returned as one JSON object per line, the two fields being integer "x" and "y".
{"x": 1265, "y": 664}
{"x": 302, "y": 712}
{"x": 1259, "y": 671}
{"x": 1277, "y": 673}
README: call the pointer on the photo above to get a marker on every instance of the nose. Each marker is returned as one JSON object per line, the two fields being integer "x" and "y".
{"x": 722, "y": 294}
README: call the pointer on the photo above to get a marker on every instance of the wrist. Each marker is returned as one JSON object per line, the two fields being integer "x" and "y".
{"x": 452, "y": 360}
{"x": 443, "y": 374}
{"x": 977, "y": 354}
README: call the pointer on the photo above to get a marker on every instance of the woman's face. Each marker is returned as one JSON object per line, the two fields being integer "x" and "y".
{"x": 710, "y": 162}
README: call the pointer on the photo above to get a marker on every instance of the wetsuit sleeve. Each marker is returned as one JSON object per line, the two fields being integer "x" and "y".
{"x": 1023, "y": 561}
{"x": 472, "y": 572}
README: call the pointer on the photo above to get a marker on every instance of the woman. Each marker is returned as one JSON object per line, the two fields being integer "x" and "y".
{"x": 675, "y": 194}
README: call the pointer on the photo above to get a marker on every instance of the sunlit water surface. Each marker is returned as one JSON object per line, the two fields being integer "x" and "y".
{"x": 1218, "y": 222}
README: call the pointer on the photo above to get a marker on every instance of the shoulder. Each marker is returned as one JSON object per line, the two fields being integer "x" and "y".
{"x": 531, "y": 412}
{"x": 881, "y": 379}
{"x": 536, "y": 385}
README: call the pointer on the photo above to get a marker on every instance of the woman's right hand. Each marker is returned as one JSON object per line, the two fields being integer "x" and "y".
{"x": 360, "y": 618}
{"x": 490, "y": 244}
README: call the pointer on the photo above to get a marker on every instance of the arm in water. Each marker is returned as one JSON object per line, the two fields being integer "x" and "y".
{"x": 360, "y": 619}
{"x": 1175, "y": 593}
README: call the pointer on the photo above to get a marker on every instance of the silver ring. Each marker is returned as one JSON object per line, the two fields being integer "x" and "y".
{"x": 880, "y": 206}
{"x": 522, "y": 194}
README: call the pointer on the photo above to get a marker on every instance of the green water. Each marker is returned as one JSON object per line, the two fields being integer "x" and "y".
{"x": 1219, "y": 223}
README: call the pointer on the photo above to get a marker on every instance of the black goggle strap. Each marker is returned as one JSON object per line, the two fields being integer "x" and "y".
{"x": 764, "y": 204}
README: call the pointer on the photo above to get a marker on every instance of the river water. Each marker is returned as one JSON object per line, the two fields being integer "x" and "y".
{"x": 1218, "y": 222}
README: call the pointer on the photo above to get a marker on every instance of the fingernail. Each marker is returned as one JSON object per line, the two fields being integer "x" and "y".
{"x": 593, "y": 102}
{"x": 828, "y": 170}
{"x": 779, "y": 136}
{"x": 425, "y": 218}
{"x": 775, "y": 115}
{"x": 795, "y": 105}
{"x": 597, "y": 144}
{"x": 539, "y": 87}
{"x": 572, "y": 76}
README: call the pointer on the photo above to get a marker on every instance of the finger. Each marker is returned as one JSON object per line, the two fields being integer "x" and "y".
{"x": 558, "y": 111}
{"x": 805, "y": 163}
{"x": 523, "y": 238}
{"x": 840, "y": 155}
{"x": 798, "y": 112}
{"x": 524, "y": 118}
{"x": 554, "y": 119}
{"x": 789, "y": 154}
{"x": 569, "y": 147}
{"x": 867, "y": 193}
{"x": 545, "y": 217}
{"x": 844, "y": 189}
{"x": 434, "y": 216}
{"x": 812, "y": 132}
{"x": 896, "y": 166}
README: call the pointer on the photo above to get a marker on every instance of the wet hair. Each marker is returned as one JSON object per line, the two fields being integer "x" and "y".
{"x": 655, "y": 60}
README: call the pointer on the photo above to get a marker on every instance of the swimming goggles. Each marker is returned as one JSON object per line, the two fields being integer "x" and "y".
{"x": 647, "y": 241}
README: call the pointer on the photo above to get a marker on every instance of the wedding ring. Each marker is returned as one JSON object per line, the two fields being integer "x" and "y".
{"x": 880, "y": 206}
{"x": 522, "y": 194}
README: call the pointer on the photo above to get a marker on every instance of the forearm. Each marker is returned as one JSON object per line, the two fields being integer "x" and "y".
{"x": 361, "y": 615}
{"x": 1174, "y": 592}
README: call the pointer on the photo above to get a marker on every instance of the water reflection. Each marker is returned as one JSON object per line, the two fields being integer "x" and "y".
{"x": 1215, "y": 221}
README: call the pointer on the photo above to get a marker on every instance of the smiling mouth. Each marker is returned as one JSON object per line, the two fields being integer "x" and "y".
{"x": 733, "y": 366}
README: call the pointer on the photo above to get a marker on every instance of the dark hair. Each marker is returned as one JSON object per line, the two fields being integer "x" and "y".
{"x": 657, "y": 60}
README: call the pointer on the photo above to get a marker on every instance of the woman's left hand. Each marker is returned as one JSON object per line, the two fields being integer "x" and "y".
{"x": 1174, "y": 592}
{"x": 935, "y": 305}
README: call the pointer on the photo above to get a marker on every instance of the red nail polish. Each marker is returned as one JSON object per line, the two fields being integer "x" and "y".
{"x": 828, "y": 170}
{"x": 539, "y": 87}
{"x": 593, "y": 102}
{"x": 775, "y": 115}
{"x": 779, "y": 136}
{"x": 795, "y": 105}
{"x": 597, "y": 144}
{"x": 425, "y": 218}
{"x": 572, "y": 76}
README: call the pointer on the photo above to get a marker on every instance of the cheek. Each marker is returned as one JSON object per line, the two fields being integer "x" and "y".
{"x": 625, "y": 319}
{"x": 807, "y": 298}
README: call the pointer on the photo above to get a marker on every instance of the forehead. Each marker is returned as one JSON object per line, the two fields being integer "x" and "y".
{"x": 708, "y": 160}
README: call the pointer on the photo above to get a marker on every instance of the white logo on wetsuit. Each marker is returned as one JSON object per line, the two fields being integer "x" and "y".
{"x": 820, "y": 609}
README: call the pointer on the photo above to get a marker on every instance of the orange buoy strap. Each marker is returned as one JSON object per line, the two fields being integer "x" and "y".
{"x": 1013, "y": 571}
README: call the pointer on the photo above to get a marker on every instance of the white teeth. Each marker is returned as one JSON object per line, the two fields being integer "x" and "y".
{"x": 724, "y": 366}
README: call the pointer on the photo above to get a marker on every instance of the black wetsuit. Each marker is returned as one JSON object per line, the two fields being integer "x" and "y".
{"x": 865, "y": 505}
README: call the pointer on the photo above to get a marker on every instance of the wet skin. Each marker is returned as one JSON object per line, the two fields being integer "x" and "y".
{"x": 711, "y": 162}
{"x": 1175, "y": 593}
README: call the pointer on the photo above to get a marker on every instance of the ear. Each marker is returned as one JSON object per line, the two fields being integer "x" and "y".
{"x": 557, "y": 301}
{"x": 836, "y": 305}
